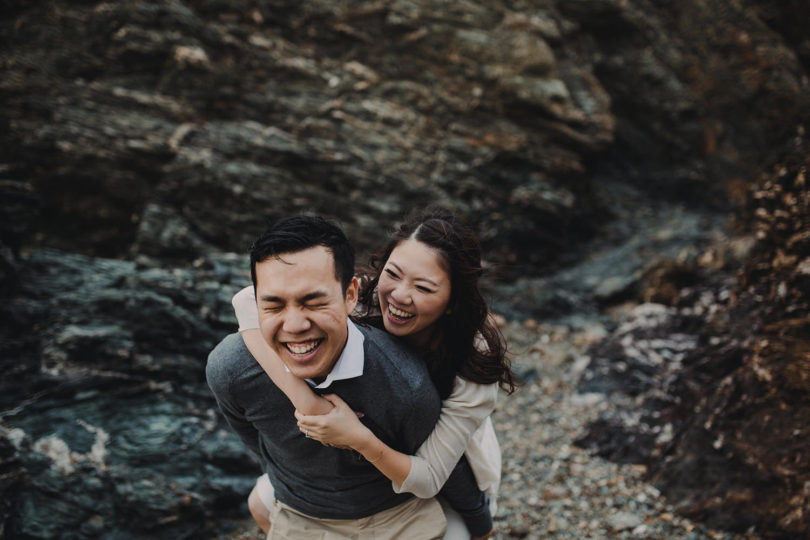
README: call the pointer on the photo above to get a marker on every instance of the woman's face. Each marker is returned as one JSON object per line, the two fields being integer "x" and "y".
{"x": 414, "y": 291}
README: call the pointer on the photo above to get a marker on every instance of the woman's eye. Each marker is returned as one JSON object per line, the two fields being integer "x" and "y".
{"x": 391, "y": 273}
{"x": 424, "y": 289}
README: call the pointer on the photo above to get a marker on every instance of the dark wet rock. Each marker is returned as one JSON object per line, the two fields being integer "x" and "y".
{"x": 725, "y": 433}
{"x": 114, "y": 430}
{"x": 123, "y": 457}
{"x": 642, "y": 352}
{"x": 617, "y": 266}
{"x": 781, "y": 18}
{"x": 73, "y": 312}
{"x": 18, "y": 207}
{"x": 169, "y": 129}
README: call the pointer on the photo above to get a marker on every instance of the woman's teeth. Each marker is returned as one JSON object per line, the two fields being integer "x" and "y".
{"x": 399, "y": 313}
{"x": 303, "y": 348}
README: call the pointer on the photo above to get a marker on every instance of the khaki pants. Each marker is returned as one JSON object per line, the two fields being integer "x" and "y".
{"x": 417, "y": 519}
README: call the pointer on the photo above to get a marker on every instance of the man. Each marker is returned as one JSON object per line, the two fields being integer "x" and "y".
{"x": 302, "y": 269}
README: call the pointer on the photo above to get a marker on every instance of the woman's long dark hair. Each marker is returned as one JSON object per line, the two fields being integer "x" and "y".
{"x": 468, "y": 343}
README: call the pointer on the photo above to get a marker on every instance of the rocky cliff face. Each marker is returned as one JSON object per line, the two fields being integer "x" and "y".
{"x": 173, "y": 129}
{"x": 144, "y": 143}
{"x": 712, "y": 389}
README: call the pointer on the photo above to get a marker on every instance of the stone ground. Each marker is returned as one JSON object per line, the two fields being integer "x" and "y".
{"x": 551, "y": 488}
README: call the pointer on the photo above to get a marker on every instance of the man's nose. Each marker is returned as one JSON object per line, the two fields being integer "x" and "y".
{"x": 296, "y": 322}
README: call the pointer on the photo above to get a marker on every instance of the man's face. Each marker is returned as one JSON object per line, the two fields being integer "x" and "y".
{"x": 302, "y": 310}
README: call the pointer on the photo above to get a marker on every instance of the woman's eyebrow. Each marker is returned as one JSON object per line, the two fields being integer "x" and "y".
{"x": 395, "y": 265}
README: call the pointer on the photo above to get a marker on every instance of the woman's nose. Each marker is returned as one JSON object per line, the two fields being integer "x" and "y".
{"x": 401, "y": 295}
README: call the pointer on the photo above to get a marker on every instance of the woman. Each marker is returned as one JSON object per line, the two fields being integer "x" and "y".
{"x": 422, "y": 287}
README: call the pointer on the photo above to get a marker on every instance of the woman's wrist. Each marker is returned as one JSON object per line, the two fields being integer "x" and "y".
{"x": 367, "y": 445}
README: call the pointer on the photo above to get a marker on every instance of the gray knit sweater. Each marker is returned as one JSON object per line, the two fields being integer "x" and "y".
{"x": 395, "y": 394}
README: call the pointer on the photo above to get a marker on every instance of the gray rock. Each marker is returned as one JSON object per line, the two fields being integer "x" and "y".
{"x": 621, "y": 521}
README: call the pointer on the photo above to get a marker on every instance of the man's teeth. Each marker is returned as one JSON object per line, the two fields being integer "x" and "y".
{"x": 303, "y": 348}
{"x": 399, "y": 313}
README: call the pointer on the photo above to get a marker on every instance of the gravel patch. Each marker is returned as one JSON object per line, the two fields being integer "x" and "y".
{"x": 553, "y": 489}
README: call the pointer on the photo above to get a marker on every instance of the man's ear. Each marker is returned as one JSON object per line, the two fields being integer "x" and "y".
{"x": 352, "y": 293}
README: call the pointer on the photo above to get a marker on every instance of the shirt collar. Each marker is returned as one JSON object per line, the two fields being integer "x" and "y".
{"x": 351, "y": 360}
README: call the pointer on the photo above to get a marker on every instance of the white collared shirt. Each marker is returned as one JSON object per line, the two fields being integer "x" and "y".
{"x": 351, "y": 360}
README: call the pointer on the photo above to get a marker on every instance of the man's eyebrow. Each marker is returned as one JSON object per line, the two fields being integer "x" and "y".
{"x": 313, "y": 296}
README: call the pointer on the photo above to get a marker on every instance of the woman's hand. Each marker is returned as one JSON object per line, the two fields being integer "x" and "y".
{"x": 340, "y": 427}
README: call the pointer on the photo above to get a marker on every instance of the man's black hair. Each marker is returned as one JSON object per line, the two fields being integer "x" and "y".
{"x": 297, "y": 233}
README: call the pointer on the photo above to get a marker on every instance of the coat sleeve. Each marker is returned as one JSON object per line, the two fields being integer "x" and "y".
{"x": 221, "y": 372}
{"x": 461, "y": 415}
